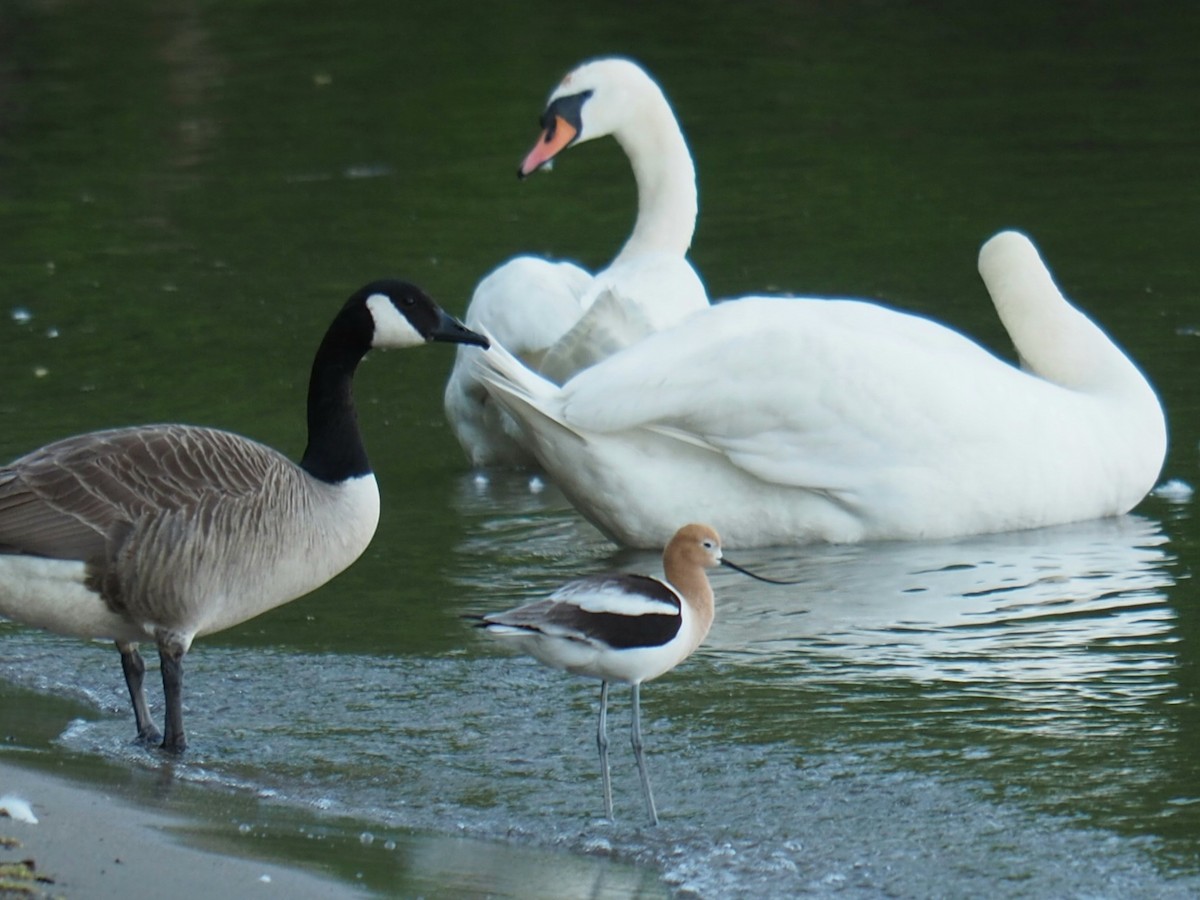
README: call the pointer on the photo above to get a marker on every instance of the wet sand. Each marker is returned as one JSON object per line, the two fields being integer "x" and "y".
{"x": 95, "y": 843}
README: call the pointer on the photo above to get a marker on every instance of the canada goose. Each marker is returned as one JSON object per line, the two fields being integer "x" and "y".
{"x": 169, "y": 532}
{"x": 557, "y": 317}
{"x": 785, "y": 420}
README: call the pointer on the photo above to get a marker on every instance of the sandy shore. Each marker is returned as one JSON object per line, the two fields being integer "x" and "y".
{"x": 96, "y": 844}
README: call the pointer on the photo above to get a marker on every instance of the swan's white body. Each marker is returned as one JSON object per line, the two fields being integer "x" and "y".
{"x": 556, "y": 317}
{"x": 529, "y": 303}
{"x": 791, "y": 420}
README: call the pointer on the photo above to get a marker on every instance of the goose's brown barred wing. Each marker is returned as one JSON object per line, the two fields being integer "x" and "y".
{"x": 68, "y": 499}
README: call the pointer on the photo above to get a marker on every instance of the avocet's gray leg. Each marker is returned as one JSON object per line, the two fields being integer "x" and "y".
{"x": 602, "y": 744}
{"x": 635, "y": 733}
{"x": 134, "y": 668}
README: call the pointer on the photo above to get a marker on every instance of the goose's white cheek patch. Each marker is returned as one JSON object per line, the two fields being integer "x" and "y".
{"x": 392, "y": 329}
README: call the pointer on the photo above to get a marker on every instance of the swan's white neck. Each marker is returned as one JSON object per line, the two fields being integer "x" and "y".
{"x": 666, "y": 179}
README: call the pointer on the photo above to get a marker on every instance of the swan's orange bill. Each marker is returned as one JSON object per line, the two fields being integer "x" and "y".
{"x": 549, "y": 144}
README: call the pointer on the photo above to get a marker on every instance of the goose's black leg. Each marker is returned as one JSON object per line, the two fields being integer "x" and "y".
{"x": 134, "y": 668}
{"x": 174, "y": 740}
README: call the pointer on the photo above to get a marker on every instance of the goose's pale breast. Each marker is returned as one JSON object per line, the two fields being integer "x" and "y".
{"x": 245, "y": 556}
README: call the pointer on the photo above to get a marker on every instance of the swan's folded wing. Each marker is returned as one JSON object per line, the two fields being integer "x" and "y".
{"x": 609, "y": 325}
{"x": 800, "y": 392}
{"x": 664, "y": 286}
{"x": 626, "y": 303}
{"x": 528, "y": 303}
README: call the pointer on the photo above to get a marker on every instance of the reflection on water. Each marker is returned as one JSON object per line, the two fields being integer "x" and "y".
{"x": 1040, "y": 614}
{"x": 1074, "y": 611}
{"x": 1015, "y": 657}
{"x": 523, "y": 538}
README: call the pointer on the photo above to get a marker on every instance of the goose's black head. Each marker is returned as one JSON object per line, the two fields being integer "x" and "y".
{"x": 382, "y": 314}
{"x": 398, "y": 314}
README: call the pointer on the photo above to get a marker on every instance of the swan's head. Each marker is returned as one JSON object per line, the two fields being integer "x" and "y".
{"x": 593, "y": 100}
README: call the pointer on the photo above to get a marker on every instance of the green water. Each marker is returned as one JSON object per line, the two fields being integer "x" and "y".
{"x": 189, "y": 189}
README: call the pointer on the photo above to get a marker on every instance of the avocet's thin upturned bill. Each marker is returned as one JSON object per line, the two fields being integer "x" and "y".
{"x": 165, "y": 533}
{"x": 622, "y": 627}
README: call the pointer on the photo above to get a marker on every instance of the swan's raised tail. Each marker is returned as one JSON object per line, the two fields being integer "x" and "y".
{"x": 1056, "y": 341}
{"x": 532, "y": 400}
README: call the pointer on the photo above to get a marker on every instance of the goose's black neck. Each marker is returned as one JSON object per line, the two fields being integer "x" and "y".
{"x": 335, "y": 450}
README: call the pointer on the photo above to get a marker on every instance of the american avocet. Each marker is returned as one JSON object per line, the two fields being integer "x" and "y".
{"x": 791, "y": 420}
{"x": 623, "y": 627}
{"x": 557, "y": 317}
{"x": 169, "y": 532}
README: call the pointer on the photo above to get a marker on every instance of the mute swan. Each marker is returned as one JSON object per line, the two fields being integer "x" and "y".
{"x": 790, "y": 420}
{"x": 167, "y": 532}
{"x": 556, "y": 317}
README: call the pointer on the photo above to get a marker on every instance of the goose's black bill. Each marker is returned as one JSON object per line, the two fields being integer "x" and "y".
{"x": 450, "y": 330}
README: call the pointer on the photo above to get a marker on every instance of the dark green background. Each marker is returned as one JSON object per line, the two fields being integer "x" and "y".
{"x": 189, "y": 189}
